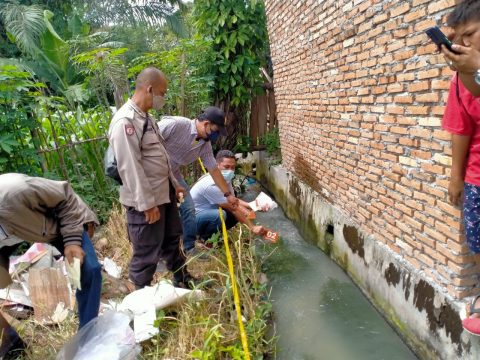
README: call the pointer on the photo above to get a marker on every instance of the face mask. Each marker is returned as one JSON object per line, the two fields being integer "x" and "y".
{"x": 158, "y": 102}
{"x": 228, "y": 175}
{"x": 213, "y": 136}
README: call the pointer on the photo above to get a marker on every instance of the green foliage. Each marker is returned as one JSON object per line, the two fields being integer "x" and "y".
{"x": 45, "y": 52}
{"x": 39, "y": 136}
{"x": 271, "y": 140}
{"x": 189, "y": 68}
{"x": 73, "y": 154}
{"x": 239, "y": 35}
{"x": 244, "y": 145}
{"x": 102, "y": 13}
{"x": 23, "y": 24}
{"x": 104, "y": 70}
{"x": 17, "y": 91}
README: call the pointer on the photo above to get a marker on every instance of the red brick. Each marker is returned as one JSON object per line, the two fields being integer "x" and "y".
{"x": 403, "y": 8}
{"x": 360, "y": 95}
{"x": 441, "y": 5}
{"x": 428, "y": 97}
{"x": 418, "y": 86}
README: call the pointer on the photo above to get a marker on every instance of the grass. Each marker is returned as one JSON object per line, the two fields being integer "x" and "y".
{"x": 206, "y": 329}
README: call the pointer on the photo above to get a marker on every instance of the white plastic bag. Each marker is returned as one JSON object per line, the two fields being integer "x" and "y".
{"x": 107, "y": 337}
{"x": 263, "y": 202}
{"x": 112, "y": 268}
{"x": 143, "y": 303}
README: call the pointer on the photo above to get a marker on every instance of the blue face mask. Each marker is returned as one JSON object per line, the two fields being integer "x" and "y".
{"x": 213, "y": 136}
{"x": 228, "y": 175}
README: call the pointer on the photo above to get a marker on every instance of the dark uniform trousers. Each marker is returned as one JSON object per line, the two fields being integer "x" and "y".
{"x": 152, "y": 242}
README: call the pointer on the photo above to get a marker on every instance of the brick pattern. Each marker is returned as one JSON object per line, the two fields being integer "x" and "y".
{"x": 360, "y": 95}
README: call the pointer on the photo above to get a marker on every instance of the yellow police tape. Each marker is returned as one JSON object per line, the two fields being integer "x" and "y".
{"x": 236, "y": 297}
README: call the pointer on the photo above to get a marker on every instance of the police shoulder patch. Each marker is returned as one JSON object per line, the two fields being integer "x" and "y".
{"x": 129, "y": 129}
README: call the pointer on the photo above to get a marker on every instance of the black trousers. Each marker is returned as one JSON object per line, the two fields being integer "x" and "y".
{"x": 152, "y": 242}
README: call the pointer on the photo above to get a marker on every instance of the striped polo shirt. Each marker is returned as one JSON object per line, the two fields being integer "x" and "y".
{"x": 180, "y": 135}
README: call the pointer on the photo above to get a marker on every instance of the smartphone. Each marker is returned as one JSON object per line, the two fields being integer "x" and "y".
{"x": 439, "y": 38}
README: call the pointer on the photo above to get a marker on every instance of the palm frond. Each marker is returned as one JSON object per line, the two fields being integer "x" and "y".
{"x": 25, "y": 24}
{"x": 111, "y": 45}
{"x": 137, "y": 12}
{"x": 20, "y": 64}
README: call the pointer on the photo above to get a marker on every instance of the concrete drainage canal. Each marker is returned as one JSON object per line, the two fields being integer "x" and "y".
{"x": 319, "y": 313}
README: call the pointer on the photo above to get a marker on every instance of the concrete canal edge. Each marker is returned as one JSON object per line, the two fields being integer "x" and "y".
{"x": 425, "y": 316}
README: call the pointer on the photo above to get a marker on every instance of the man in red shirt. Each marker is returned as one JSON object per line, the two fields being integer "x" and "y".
{"x": 462, "y": 120}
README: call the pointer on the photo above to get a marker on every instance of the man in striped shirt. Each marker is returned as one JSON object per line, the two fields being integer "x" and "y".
{"x": 185, "y": 141}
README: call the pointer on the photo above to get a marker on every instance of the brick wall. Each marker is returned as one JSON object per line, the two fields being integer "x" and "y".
{"x": 360, "y": 97}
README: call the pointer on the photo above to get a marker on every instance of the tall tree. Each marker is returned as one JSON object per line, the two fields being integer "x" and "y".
{"x": 239, "y": 34}
{"x": 104, "y": 13}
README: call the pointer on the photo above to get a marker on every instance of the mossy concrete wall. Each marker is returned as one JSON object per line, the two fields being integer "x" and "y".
{"x": 427, "y": 318}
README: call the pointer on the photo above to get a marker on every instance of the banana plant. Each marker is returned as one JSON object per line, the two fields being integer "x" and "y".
{"x": 46, "y": 54}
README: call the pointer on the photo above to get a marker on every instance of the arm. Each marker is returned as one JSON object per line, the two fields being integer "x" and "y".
{"x": 70, "y": 211}
{"x": 241, "y": 212}
{"x": 244, "y": 204}
{"x": 466, "y": 62}
{"x": 460, "y": 145}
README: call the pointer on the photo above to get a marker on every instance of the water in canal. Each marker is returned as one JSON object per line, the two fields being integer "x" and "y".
{"x": 319, "y": 313}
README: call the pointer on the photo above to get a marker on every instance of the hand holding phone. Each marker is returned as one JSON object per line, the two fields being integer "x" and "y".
{"x": 439, "y": 38}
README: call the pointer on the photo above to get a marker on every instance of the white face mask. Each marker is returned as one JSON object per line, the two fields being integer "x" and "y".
{"x": 158, "y": 102}
{"x": 228, "y": 175}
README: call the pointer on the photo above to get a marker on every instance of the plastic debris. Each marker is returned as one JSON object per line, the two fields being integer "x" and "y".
{"x": 106, "y": 337}
{"x": 73, "y": 272}
{"x": 263, "y": 202}
{"x": 14, "y": 294}
{"x": 60, "y": 313}
{"x": 143, "y": 303}
{"x": 112, "y": 268}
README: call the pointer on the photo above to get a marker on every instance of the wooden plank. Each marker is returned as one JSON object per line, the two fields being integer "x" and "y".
{"x": 254, "y": 121}
{"x": 262, "y": 114}
{"x": 48, "y": 287}
{"x": 272, "y": 110}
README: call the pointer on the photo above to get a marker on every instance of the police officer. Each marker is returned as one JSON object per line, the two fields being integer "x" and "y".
{"x": 149, "y": 188}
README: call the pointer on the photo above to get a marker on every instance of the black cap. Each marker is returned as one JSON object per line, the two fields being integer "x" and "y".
{"x": 216, "y": 116}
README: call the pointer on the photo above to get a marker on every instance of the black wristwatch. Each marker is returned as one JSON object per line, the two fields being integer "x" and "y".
{"x": 476, "y": 76}
{"x": 227, "y": 194}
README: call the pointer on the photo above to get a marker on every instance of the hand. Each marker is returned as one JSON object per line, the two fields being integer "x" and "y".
{"x": 455, "y": 191}
{"x": 180, "y": 192}
{"x": 233, "y": 201}
{"x": 152, "y": 215}
{"x": 466, "y": 61}
{"x": 72, "y": 251}
{"x": 259, "y": 230}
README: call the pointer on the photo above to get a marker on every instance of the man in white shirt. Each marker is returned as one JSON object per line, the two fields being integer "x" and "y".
{"x": 207, "y": 198}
